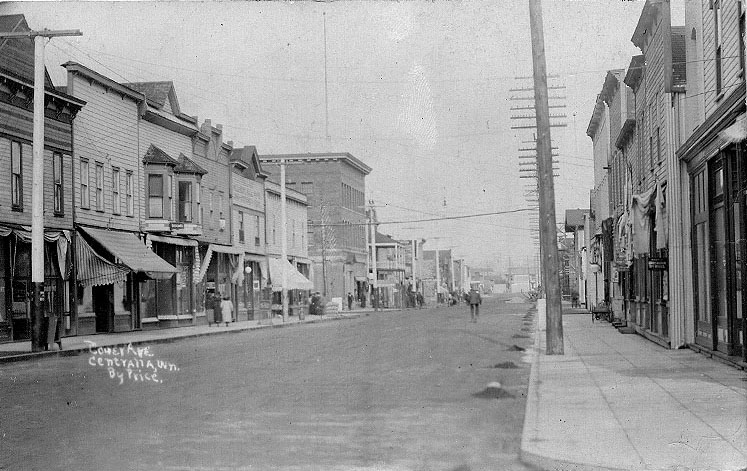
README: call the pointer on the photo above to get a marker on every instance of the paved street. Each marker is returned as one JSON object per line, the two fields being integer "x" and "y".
{"x": 395, "y": 390}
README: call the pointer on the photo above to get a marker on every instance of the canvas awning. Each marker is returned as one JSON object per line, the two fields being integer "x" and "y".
{"x": 132, "y": 253}
{"x": 93, "y": 270}
{"x": 227, "y": 249}
{"x": 295, "y": 279}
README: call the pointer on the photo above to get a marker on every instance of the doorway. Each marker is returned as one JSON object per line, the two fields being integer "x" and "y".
{"x": 103, "y": 306}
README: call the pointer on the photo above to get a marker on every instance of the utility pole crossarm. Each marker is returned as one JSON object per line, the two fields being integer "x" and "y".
{"x": 47, "y": 33}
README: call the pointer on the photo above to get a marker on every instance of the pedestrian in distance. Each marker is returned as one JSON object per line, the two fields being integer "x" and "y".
{"x": 474, "y": 304}
{"x": 350, "y": 301}
{"x": 226, "y": 309}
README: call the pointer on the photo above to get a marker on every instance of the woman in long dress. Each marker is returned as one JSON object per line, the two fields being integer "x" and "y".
{"x": 226, "y": 308}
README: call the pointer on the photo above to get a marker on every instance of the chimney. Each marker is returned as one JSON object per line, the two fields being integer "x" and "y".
{"x": 219, "y": 127}
{"x": 230, "y": 143}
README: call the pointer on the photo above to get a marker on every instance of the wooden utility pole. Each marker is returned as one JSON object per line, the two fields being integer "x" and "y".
{"x": 374, "y": 268}
{"x": 548, "y": 239}
{"x": 283, "y": 244}
{"x": 37, "y": 180}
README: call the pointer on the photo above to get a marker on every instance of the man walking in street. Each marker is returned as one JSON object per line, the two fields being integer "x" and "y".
{"x": 474, "y": 303}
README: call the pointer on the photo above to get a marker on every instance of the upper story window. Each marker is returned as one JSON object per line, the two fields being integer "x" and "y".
{"x": 170, "y": 195}
{"x": 718, "y": 38}
{"x": 59, "y": 208}
{"x": 741, "y": 35}
{"x": 99, "y": 186}
{"x": 241, "y": 226}
{"x": 155, "y": 196}
{"x": 184, "y": 213}
{"x": 198, "y": 194}
{"x": 116, "y": 202}
{"x": 212, "y": 212}
{"x": 16, "y": 176}
{"x": 85, "y": 192}
{"x": 220, "y": 205}
{"x": 129, "y": 196}
{"x": 257, "y": 228}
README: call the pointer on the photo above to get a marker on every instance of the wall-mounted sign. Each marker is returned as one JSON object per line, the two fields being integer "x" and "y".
{"x": 658, "y": 263}
{"x": 175, "y": 226}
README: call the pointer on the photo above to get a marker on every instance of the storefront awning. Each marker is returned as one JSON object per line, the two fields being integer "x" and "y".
{"x": 227, "y": 249}
{"x": 295, "y": 279}
{"x": 93, "y": 270}
{"x": 132, "y": 252}
{"x": 173, "y": 240}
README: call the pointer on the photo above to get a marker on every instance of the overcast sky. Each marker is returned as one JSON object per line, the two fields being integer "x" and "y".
{"x": 417, "y": 90}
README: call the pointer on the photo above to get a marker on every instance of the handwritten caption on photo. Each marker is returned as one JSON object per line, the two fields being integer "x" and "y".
{"x": 131, "y": 363}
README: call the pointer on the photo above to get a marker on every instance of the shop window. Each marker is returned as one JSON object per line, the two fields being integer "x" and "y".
{"x": 16, "y": 176}
{"x": 155, "y": 196}
{"x": 59, "y": 208}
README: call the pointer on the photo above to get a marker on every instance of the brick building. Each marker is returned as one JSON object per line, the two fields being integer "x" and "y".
{"x": 334, "y": 184}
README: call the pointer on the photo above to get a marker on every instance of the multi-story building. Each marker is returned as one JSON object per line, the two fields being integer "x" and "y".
{"x": 639, "y": 253}
{"x": 247, "y": 201}
{"x": 108, "y": 206}
{"x": 170, "y": 210}
{"x": 437, "y": 275}
{"x": 297, "y": 264}
{"x": 598, "y": 288}
{"x": 390, "y": 269}
{"x": 16, "y": 137}
{"x": 334, "y": 184}
{"x": 574, "y": 223}
{"x": 713, "y": 157}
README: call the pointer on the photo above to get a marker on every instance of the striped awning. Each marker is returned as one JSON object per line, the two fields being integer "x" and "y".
{"x": 93, "y": 269}
{"x": 132, "y": 252}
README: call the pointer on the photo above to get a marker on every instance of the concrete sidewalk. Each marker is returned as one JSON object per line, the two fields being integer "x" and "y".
{"x": 19, "y": 351}
{"x": 617, "y": 401}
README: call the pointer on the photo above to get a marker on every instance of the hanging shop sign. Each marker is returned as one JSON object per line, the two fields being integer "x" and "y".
{"x": 658, "y": 263}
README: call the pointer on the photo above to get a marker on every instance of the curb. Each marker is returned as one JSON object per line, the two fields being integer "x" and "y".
{"x": 76, "y": 351}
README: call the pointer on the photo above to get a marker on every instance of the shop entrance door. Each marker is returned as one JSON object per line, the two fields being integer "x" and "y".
{"x": 103, "y": 306}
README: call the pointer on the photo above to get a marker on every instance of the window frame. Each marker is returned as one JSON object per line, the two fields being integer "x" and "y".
{"x": 717, "y": 42}
{"x": 16, "y": 176}
{"x": 116, "y": 187}
{"x": 257, "y": 238}
{"x": 58, "y": 195}
{"x": 100, "y": 186}
{"x": 152, "y": 195}
{"x": 184, "y": 205}
{"x": 85, "y": 184}
{"x": 129, "y": 197}
{"x": 241, "y": 227}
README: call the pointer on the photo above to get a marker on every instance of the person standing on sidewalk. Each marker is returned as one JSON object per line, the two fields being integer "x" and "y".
{"x": 350, "y": 301}
{"x": 474, "y": 303}
{"x": 226, "y": 308}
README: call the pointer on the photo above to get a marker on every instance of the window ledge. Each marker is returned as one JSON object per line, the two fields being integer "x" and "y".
{"x": 59, "y": 215}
